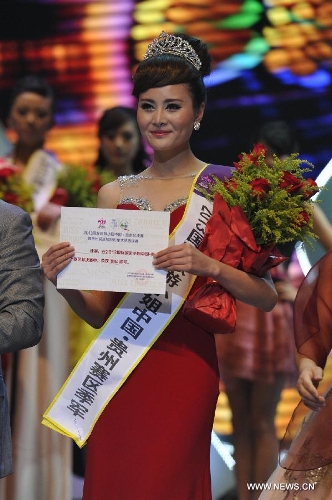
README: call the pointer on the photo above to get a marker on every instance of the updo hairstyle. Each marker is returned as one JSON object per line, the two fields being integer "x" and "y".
{"x": 168, "y": 69}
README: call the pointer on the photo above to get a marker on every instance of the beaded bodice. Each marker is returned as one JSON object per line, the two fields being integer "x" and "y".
{"x": 147, "y": 192}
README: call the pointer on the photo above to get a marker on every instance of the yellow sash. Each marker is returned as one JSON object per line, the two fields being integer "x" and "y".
{"x": 41, "y": 172}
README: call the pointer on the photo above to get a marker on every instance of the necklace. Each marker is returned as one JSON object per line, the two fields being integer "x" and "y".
{"x": 151, "y": 177}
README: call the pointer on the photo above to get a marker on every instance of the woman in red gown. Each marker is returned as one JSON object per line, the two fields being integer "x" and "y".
{"x": 177, "y": 382}
{"x": 152, "y": 441}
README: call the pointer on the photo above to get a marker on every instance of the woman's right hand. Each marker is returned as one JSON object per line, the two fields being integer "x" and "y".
{"x": 56, "y": 259}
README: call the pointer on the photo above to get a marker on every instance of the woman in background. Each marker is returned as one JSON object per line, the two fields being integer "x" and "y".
{"x": 31, "y": 117}
{"x": 121, "y": 152}
{"x": 306, "y": 470}
{"x": 257, "y": 361}
{"x": 258, "y": 358}
{"x": 121, "y": 149}
{"x": 42, "y": 459}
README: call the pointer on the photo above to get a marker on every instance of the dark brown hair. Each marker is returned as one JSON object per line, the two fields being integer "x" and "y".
{"x": 35, "y": 84}
{"x": 170, "y": 69}
{"x": 111, "y": 120}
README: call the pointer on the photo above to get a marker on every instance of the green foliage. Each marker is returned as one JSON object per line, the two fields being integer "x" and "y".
{"x": 275, "y": 199}
{"x": 13, "y": 188}
{"x": 82, "y": 184}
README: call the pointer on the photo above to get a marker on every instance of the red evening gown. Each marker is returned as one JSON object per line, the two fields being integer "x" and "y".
{"x": 152, "y": 441}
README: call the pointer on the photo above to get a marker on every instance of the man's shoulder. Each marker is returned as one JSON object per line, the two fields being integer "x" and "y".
{"x": 9, "y": 212}
{"x": 8, "y": 208}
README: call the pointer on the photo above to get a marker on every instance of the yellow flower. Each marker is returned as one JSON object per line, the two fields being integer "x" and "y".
{"x": 275, "y": 199}
{"x": 13, "y": 188}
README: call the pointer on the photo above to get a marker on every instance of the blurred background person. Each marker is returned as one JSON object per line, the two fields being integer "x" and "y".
{"x": 121, "y": 152}
{"x": 121, "y": 148}
{"x": 257, "y": 361}
{"x": 30, "y": 117}
{"x": 42, "y": 458}
{"x": 5, "y": 144}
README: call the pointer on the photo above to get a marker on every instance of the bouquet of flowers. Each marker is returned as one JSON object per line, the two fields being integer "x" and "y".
{"x": 13, "y": 188}
{"x": 78, "y": 186}
{"x": 254, "y": 210}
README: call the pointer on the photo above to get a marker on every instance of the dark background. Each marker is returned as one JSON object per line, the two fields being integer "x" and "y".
{"x": 74, "y": 45}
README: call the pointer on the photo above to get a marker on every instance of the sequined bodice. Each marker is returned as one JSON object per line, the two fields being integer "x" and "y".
{"x": 138, "y": 189}
{"x": 144, "y": 204}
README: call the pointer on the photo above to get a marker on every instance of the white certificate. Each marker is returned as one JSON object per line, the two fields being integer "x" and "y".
{"x": 114, "y": 249}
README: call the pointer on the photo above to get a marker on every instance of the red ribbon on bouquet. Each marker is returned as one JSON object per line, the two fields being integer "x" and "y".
{"x": 228, "y": 238}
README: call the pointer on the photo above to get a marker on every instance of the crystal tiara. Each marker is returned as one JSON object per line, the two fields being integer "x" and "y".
{"x": 171, "y": 44}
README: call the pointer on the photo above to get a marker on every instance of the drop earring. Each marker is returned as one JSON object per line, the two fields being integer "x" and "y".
{"x": 197, "y": 125}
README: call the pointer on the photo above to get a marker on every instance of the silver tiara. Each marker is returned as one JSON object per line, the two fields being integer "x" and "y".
{"x": 171, "y": 44}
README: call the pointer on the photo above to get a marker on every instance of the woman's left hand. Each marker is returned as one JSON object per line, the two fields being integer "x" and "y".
{"x": 184, "y": 257}
{"x": 256, "y": 291}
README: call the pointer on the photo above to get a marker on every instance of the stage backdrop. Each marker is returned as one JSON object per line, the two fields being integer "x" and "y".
{"x": 272, "y": 59}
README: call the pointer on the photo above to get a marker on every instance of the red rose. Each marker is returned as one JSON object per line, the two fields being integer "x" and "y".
{"x": 290, "y": 183}
{"x": 11, "y": 198}
{"x": 303, "y": 219}
{"x": 6, "y": 172}
{"x": 60, "y": 197}
{"x": 310, "y": 188}
{"x": 231, "y": 185}
{"x": 260, "y": 187}
{"x": 96, "y": 185}
{"x": 258, "y": 149}
{"x": 253, "y": 156}
{"x": 237, "y": 165}
{"x": 256, "y": 152}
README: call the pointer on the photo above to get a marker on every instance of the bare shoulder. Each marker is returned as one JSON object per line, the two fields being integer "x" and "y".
{"x": 109, "y": 195}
